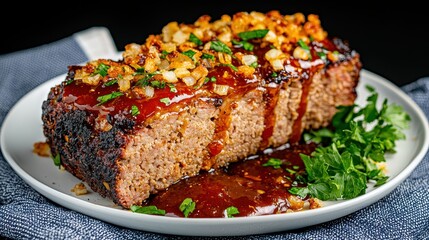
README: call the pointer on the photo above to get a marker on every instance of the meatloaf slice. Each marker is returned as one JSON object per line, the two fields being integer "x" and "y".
{"x": 133, "y": 127}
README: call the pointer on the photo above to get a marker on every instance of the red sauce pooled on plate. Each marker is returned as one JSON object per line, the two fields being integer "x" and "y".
{"x": 249, "y": 186}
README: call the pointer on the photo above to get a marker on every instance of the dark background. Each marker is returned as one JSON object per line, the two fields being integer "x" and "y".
{"x": 391, "y": 38}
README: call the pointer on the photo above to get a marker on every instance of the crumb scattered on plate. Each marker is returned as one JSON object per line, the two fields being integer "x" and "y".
{"x": 42, "y": 149}
{"x": 79, "y": 189}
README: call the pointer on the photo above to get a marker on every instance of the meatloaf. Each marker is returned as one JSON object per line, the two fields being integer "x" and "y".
{"x": 196, "y": 97}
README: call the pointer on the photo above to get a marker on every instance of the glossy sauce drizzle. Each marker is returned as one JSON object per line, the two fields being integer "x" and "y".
{"x": 249, "y": 186}
{"x": 85, "y": 96}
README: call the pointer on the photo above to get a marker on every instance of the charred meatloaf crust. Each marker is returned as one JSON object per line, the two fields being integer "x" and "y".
{"x": 196, "y": 97}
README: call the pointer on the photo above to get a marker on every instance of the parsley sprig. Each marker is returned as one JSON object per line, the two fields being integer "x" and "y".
{"x": 350, "y": 155}
{"x": 105, "y": 98}
{"x": 102, "y": 69}
{"x": 152, "y": 210}
{"x": 248, "y": 35}
{"x": 187, "y": 206}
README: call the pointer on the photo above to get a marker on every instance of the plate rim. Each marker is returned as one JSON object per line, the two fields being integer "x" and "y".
{"x": 94, "y": 210}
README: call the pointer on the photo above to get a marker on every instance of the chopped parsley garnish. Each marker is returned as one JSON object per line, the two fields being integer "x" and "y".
{"x": 211, "y": 79}
{"x": 153, "y": 210}
{"x": 135, "y": 110}
{"x": 303, "y": 45}
{"x": 229, "y": 65}
{"x": 342, "y": 167}
{"x": 110, "y": 83}
{"x": 102, "y": 69}
{"x": 166, "y": 101}
{"x": 244, "y": 44}
{"x": 189, "y": 53}
{"x": 207, "y": 56}
{"x": 306, "y": 48}
{"x": 195, "y": 39}
{"x": 253, "y": 34}
{"x": 145, "y": 80}
{"x": 254, "y": 64}
{"x": 290, "y": 171}
{"x": 108, "y": 97}
{"x": 164, "y": 54}
{"x": 274, "y": 74}
{"x": 57, "y": 160}
{"x": 219, "y": 46}
{"x": 139, "y": 71}
{"x": 273, "y": 162}
{"x": 172, "y": 87}
{"x": 68, "y": 82}
{"x": 187, "y": 206}
{"x": 231, "y": 211}
{"x": 322, "y": 55}
{"x": 157, "y": 84}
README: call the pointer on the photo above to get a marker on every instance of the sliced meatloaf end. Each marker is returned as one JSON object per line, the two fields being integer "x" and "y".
{"x": 170, "y": 148}
{"x": 330, "y": 88}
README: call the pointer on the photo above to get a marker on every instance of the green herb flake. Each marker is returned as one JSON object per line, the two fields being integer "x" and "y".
{"x": 173, "y": 88}
{"x": 102, "y": 69}
{"x": 68, "y": 82}
{"x": 110, "y": 83}
{"x": 219, "y": 46}
{"x": 318, "y": 136}
{"x": 209, "y": 79}
{"x": 105, "y": 98}
{"x": 164, "y": 54}
{"x": 157, "y": 84}
{"x": 152, "y": 210}
{"x": 295, "y": 167}
{"x": 273, "y": 162}
{"x": 322, "y": 55}
{"x": 207, "y": 56}
{"x": 303, "y": 45}
{"x": 274, "y": 74}
{"x": 254, "y": 65}
{"x": 57, "y": 160}
{"x": 135, "y": 110}
{"x": 229, "y": 65}
{"x": 253, "y": 34}
{"x": 195, "y": 39}
{"x": 139, "y": 71}
{"x": 230, "y": 211}
{"x": 290, "y": 171}
{"x": 302, "y": 192}
{"x": 248, "y": 46}
{"x": 244, "y": 44}
{"x": 190, "y": 53}
{"x": 166, "y": 101}
{"x": 187, "y": 206}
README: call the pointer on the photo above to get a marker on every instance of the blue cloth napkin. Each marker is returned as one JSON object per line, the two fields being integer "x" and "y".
{"x": 25, "y": 214}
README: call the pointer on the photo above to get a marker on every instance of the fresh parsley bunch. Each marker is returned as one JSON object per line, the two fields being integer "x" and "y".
{"x": 351, "y": 155}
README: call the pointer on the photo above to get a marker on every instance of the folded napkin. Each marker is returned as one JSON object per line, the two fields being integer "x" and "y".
{"x": 25, "y": 214}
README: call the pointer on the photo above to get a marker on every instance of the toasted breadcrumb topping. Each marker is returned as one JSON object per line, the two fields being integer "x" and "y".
{"x": 186, "y": 52}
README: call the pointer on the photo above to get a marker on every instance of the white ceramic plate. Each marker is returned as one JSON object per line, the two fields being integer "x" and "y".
{"x": 23, "y": 127}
